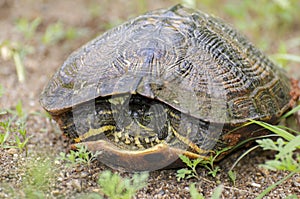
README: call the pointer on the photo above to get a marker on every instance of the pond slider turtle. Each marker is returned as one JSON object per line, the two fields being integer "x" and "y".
{"x": 169, "y": 82}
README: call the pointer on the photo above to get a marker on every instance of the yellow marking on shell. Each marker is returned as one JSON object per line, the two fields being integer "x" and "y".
{"x": 188, "y": 142}
{"x": 172, "y": 114}
{"x": 108, "y": 112}
{"x": 147, "y": 140}
{"x": 119, "y": 134}
{"x": 67, "y": 126}
{"x": 128, "y": 127}
{"x": 127, "y": 140}
{"x": 93, "y": 132}
{"x": 143, "y": 127}
{"x": 137, "y": 142}
{"x": 175, "y": 102}
{"x": 116, "y": 137}
{"x": 117, "y": 100}
{"x": 157, "y": 140}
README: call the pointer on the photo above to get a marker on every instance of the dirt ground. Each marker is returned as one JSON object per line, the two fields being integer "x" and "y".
{"x": 91, "y": 18}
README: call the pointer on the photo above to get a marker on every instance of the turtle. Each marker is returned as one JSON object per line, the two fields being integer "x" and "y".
{"x": 169, "y": 82}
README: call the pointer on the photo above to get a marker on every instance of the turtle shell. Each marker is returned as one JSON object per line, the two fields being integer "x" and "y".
{"x": 184, "y": 59}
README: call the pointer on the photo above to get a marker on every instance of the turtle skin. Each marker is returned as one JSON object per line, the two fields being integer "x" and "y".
{"x": 169, "y": 82}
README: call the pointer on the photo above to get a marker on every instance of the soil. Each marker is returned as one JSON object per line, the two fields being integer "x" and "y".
{"x": 92, "y": 18}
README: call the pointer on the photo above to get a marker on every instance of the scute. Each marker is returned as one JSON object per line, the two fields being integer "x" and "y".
{"x": 187, "y": 59}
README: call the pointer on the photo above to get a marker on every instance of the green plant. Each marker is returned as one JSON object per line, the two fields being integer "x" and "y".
{"x": 6, "y": 131}
{"x": 273, "y": 186}
{"x": 294, "y": 196}
{"x": 21, "y": 139}
{"x": 278, "y": 130}
{"x": 15, "y": 124}
{"x": 18, "y": 50}
{"x": 216, "y": 194}
{"x": 286, "y": 145}
{"x": 90, "y": 196}
{"x": 232, "y": 176}
{"x": 189, "y": 172}
{"x": 4, "y": 125}
{"x": 194, "y": 193}
{"x": 36, "y": 175}
{"x": 274, "y": 15}
{"x": 57, "y": 32}
{"x": 291, "y": 112}
{"x": 79, "y": 156}
{"x": 15, "y": 51}
{"x": 283, "y": 56}
{"x": 207, "y": 163}
{"x": 286, "y": 158}
{"x": 189, "y": 3}
{"x": 1, "y": 90}
{"x": 116, "y": 187}
{"x": 287, "y": 57}
{"x": 28, "y": 28}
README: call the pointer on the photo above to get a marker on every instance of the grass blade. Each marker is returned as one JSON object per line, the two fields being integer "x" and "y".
{"x": 19, "y": 66}
{"x": 291, "y": 112}
{"x": 289, "y": 57}
{"x": 273, "y": 186}
{"x": 275, "y": 129}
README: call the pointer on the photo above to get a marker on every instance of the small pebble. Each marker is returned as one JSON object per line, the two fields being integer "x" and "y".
{"x": 83, "y": 174}
{"x": 15, "y": 156}
{"x": 297, "y": 182}
{"x": 57, "y": 162}
{"x": 96, "y": 190}
{"x": 253, "y": 184}
{"x": 12, "y": 151}
{"x": 76, "y": 183}
{"x": 60, "y": 179}
{"x": 56, "y": 192}
{"x": 161, "y": 192}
